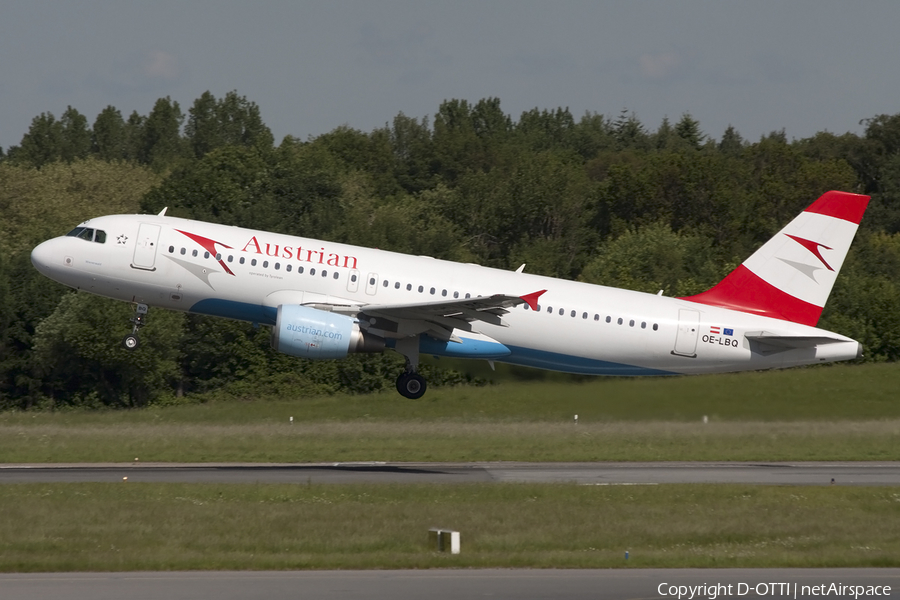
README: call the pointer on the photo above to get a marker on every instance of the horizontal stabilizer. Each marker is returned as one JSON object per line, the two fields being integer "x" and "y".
{"x": 792, "y": 341}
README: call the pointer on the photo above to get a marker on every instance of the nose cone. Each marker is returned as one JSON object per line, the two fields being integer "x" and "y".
{"x": 42, "y": 256}
{"x": 50, "y": 257}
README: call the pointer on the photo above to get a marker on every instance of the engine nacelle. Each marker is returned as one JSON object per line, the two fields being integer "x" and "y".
{"x": 312, "y": 333}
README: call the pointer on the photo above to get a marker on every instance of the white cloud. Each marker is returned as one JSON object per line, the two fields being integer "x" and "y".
{"x": 162, "y": 65}
{"x": 660, "y": 65}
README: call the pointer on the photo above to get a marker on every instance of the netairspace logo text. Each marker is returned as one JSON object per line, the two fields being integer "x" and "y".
{"x": 789, "y": 590}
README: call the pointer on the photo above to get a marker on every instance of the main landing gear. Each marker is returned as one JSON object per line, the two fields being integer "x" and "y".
{"x": 409, "y": 383}
{"x": 131, "y": 341}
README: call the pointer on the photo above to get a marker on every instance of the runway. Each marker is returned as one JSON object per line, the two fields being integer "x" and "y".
{"x": 438, "y": 584}
{"x": 794, "y": 473}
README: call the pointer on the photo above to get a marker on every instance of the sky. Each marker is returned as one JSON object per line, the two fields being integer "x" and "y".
{"x": 803, "y": 66}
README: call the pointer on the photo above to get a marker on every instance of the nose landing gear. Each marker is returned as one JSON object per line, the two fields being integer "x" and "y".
{"x": 131, "y": 341}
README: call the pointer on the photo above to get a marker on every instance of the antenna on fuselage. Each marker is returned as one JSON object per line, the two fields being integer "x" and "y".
{"x": 162, "y": 213}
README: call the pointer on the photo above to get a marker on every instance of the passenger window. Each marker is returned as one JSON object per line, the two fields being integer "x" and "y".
{"x": 609, "y": 319}
{"x": 206, "y": 255}
{"x": 242, "y": 260}
{"x": 643, "y": 324}
{"x": 218, "y": 256}
{"x": 584, "y": 316}
{"x": 408, "y": 287}
{"x": 385, "y": 284}
{"x": 396, "y": 285}
{"x": 312, "y": 271}
{"x": 444, "y": 293}
{"x": 573, "y": 314}
{"x": 230, "y": 258}
{"x": 253, "y": 262}
{"x": 100, "y": 238}
{"x": 287, "y": 268}
{"x": 277, "y": 266}
{"x": 171, "y": 249}
{"x": 621, "y": 321}
{"x": 596, "y": 317}
{"x": 372, "y": 281}
{"x": 456, "y": 294}
{"x": 549, "y": 309}
{"x": 183, "y": 250}
{"x": 432, "y": 290}
{"x": 335, "y": 276}
{"x": 299, "y": 270}
{"x": 421, "y": 289}
{"x": 265, "y": 264}
{"x": 562, "y": 311}
{"x": 631, "y": 323}
{"x": 324, "y": 273}
{"x": 352, "y": 277}
{"x": 194, "y": 253}
{"x": 655, "y": 327}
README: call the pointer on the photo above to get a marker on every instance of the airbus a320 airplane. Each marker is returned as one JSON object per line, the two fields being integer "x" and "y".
{"x": 324, "y": 300}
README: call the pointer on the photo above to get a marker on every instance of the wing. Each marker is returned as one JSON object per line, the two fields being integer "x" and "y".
{"x": 439, "y": 319}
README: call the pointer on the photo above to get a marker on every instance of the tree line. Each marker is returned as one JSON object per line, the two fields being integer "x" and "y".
{"x": 603, "y": 199}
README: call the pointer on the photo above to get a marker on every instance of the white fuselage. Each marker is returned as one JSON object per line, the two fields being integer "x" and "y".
{"x": 580, "y": 328}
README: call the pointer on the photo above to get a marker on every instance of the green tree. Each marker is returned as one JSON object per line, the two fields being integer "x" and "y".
{"x": 732, "y": 143}
{"x": 233, "y": 120}
{"x": 108, "y": 140}
{"x": 161, "y": 144}
{"x": 76, "y": 136}
{"x": 77, "y": 352}
{"x": 654, "y": 258}
{"x": 688, "y": 130}
{"x": 41, "y": 144}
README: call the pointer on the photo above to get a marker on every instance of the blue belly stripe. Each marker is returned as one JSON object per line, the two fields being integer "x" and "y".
{"x": 241, "y": 311}
{"x": 516, "y": 355}
{"x": 553, "y": 361}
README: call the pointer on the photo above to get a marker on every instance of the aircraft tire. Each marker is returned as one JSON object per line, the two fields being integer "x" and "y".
{"x": 411, "y": 385}
{"x": 131, "y": 342}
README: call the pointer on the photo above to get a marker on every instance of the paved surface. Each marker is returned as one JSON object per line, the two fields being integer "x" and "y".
{"x": 524, "y": 584}
{"x": 858, "y": 473}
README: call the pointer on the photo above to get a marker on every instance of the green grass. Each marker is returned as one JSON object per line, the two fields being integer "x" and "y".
{"x": 130, "y": 526}
{"x": 837, "y": 413}
{"x": 855, "y": 392}
{"x": 404, "y": 441}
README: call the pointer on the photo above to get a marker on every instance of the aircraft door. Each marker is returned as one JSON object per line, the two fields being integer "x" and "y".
{"x": 353, "y": 281}
{"x": 688, "y": 332}
{"x": 145, "y": 247}
{"x": 371, "y": 283}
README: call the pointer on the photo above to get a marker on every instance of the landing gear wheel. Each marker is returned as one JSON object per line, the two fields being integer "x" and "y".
{"x": 131, "y": 341}
{"x": 411, "y": 385}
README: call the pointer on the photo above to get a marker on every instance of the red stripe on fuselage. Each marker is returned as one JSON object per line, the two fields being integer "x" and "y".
{"x": 745, "y": 291}
{"x": 208, "y": 245}
{"x": 842, "y": 205}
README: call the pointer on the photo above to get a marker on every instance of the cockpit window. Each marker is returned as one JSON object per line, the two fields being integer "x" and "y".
{"x": 86, "y": 233}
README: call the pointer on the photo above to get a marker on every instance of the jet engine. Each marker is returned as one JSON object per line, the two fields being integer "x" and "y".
{"x": 312, "y": 333}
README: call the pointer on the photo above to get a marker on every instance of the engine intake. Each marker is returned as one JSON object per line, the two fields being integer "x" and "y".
{"x": 312, "y": 333}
